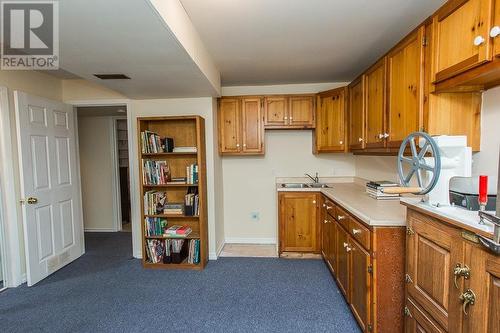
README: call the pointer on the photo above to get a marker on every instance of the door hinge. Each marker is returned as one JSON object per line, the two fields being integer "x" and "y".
{"x": 424, "y": 41}
{"x": 408, "y": 279}
{"x": 370, "y": 269}
{"x": 407, "y": 312}
{"x": 409, "y": 231}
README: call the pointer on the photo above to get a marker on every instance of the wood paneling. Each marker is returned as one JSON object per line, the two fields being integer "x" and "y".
{"x": 456, "y": 25}
{"x": 405, "y": 88}
{"x": 229, "y": 125}
{"x": 361, "y": 284}
{"x": 357, "y": 114}
{"x": 330, "y": 133}
{"x": 298, "y": 218}
{"x": 275, "y": 111}
{"x": 375, "y": 104}
{"x": 253, "y": 126}
{"x": 301, "y": 111}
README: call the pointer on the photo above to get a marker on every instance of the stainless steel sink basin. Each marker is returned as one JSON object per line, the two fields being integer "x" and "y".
{"x": 302, "y": 185}
{"x": 294, "y": 185}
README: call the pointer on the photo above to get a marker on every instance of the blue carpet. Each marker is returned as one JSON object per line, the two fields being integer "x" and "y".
{"x": 108, "y": 291}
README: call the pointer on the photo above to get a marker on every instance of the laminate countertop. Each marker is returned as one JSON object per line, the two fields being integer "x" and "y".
{"x": 352, "y": 197}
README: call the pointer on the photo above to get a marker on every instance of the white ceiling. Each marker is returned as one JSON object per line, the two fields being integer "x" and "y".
{"x": 129, "y": 37}
{"x": 299, "y": 41}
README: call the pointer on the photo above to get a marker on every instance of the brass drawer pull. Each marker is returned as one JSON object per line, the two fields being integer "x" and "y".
{"x": 459, "y": 271}
{"x": 467, "y": 298}
{"x": 356, "y": 231}
{"x": 340, "y": 217}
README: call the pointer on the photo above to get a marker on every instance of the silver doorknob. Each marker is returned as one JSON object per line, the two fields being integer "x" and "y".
{"x": 495, "y": 31}
{"x": 479, "y": 40}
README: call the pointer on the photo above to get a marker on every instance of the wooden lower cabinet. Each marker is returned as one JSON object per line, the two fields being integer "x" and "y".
{"x": 368, "y": 268}
{"x": 435, "y": 289}
{"x": 299, "y": 229}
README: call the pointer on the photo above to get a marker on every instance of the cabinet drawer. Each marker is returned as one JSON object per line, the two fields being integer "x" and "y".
{"x": 418, "y": 321}
{"x": 360, "y": 233}
{"x": 329, "y": 208}
{"x": 342, "y": 217}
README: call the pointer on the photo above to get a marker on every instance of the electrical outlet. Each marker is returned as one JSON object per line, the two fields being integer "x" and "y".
{"x": 255, "y": 216}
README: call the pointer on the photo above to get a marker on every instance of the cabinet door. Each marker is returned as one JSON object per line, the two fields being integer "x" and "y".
{"x": 252, "y": 129}
{"x": 417, "y": 321}
{"x": 357, "y": 114}
{"x": 495, "y": 30}
{"x": 375, "y": 105}
{"x": 404, "y": 88}
{"x": 332, "y": 254}
{"x": 229, "y": 125}
{"x": 360, "y": 282}
{"x": 342, "y": 261}
{"x": 330, "y": 123}
{"x": 326, "y": 236}
{"x": 298, "y": 218}
{"x": 301, "y": 111}
{"x": 461, "y": 37}
{"x": 484, "y": 281}
{"x": 275, "y": 111}
{"x": 433, "y": 250}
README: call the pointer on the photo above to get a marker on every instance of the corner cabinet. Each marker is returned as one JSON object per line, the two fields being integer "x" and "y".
{"x": 299, "y": 229}
{"x": 330, "y": 133}
{"x": 445, "y": 265}
{"x": 241, "y": 130}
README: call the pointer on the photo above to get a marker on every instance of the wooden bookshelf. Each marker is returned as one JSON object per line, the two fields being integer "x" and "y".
{"x": 187, "y": 131}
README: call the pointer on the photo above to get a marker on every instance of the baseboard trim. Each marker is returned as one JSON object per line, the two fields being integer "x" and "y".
{"x": 244, "y": 240}
{"x": 99, "y": 230}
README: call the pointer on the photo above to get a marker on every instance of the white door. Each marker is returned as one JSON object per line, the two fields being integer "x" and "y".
{"x": 50, "y": 188}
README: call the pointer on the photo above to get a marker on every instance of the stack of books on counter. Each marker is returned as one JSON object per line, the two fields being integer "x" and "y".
{"x": 178, "y": 231}
{"x": 375, "y": 190}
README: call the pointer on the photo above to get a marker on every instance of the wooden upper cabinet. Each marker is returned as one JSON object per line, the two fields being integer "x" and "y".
{"x": 375, "y": 105}
{"x": 275, "y": 111}
{"x": 298, "y": 218}
{"x": 241, "y": 130}
{"x": 301, "y": 111}
{"x": 330, "y": 134}
{"x": 229, "y": 125}
{"x": 357, "y": 114}
{"x": 495, "y": 30}
{"x": 253, "y": 126}
{"x": 405, "y": 88}
{"x": 289, "y": 112}
{"x": 360, "y": 282}
{"x": 432, "y": 251}
{"x": 461, "y": 37}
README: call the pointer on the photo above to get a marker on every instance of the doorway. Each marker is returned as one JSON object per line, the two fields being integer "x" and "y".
{"x": 2, "y": 252}
{"x": 104, "y": 165}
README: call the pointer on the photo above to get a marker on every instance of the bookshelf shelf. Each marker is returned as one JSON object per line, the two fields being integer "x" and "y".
{"x": 173, "y": 216}
{"x": 193, "y": 235}
{"x": 185, "y": 131}
{"x": 169, "y": 154}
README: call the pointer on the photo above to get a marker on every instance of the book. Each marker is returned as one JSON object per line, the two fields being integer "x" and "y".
{"x": 152, "y": 143}
{"x": 185, "y": 150}
{"x": 155, "y": 250}
{"x": 178, "y": 231}
{"x": 154, "y": 202}
{"x": 155, "y": 172}
{"x": 194, "y": 251}
{"x": 155, "y": 226}
{"x": 192, "y": 174}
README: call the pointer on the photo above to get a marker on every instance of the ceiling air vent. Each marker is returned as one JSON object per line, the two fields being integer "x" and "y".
{"x": 112, "y": 76}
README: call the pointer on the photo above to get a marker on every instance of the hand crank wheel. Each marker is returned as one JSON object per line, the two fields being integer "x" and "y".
{"x": 416, "y": 164}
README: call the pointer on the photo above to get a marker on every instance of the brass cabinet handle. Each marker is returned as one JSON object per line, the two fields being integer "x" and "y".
{"x": 348, "y": 249}
{"x": 356, "y": 231}
{"x": 328, "y": 207}
{"x": 467, "y": 298}
{"x": 460, "y": 271}
{"x": 340, "y": 217}
{"x": 345, "y": 244}
{"x": 325, "y": 221}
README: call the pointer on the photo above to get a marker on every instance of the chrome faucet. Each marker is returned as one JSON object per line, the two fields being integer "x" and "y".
{"x": 314, "y": 179}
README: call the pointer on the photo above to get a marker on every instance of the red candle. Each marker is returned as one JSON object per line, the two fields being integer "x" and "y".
{"x": 483, "y": 190}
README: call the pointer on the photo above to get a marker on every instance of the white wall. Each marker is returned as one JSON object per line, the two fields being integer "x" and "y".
{"x": 184, "y": 106}
{"x": 485, "y": 162}
{"x": 249, "y": 181}
{"x": 96, "y": 167}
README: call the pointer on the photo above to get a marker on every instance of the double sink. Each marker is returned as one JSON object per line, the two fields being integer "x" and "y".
{"x": 305, "y": 185}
